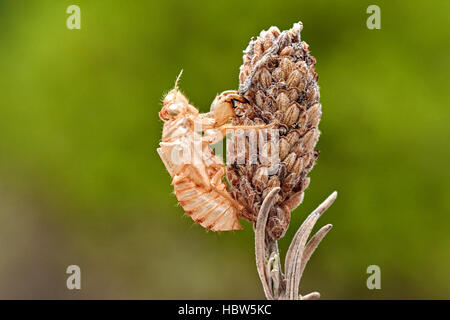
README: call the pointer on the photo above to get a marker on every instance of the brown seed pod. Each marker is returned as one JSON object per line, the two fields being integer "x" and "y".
{"x": 278, "y": 80}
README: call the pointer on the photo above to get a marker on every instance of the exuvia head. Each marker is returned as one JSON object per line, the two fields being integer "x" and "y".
{"x": 174, "y": 103}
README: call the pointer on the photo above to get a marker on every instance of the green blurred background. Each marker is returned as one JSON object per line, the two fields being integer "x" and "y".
{"x": 81, "y": 182}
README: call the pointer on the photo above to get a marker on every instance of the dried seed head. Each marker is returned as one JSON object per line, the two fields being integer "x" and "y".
{"x": 314, "y": 113}
{"x": 293, "y": 94}
{"x": 260, "y": 178}
{"x": 298, "y": 166}
{"x": 260, "y": 97}
{"x": 309, "y": 140}
{"x": 288, "y": 51}
{"x": 289, "y": 182}
{"x": 284, "y": 148}
{"x": 282, "y": 101}
{"x": 273, "y": 182}
{"x": 278, "y": 80}
{"x": 301, "y": 123}
{"x": 294, "y": 79}
{"x": 265, "y": 78}
{"x": 289, "y": 161}
{"x": 287, "y": 65}
{"x": 291, "y": 115}
{"x": 278, "y": 74}
{"x": 293, "y": 136}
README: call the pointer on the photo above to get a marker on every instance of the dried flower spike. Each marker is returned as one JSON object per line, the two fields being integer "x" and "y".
{"x": 278, "y": 80}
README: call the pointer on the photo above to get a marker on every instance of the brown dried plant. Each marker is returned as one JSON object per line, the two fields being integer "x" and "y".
{"x": 278, "y": 90}
{"x": 278, "y": 80}
{"x": 279, "y": 84}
